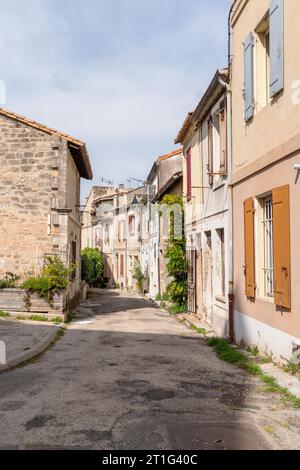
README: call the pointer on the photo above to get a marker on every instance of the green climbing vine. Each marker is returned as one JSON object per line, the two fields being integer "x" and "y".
{"x": 177, "y": 265}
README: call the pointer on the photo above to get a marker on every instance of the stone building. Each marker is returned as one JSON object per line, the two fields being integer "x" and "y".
{"x": 39, "y": 196}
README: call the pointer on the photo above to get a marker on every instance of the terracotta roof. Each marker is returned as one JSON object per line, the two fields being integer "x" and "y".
{"x": 184, "y": 128}
{"x": 171, "y": 154}
{"x": 77, "y": 147}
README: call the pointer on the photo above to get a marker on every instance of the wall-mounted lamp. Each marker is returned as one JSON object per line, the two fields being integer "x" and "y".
{"x": 296, "y": 166}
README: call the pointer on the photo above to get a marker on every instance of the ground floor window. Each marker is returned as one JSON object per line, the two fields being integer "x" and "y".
{"x": 122, "y": 266}
{"x": 266, "y": 247}
{"x": 220, "y": 262}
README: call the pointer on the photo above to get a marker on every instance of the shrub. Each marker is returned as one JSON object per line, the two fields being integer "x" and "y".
{"x": 177, "y": 292}
{"x": 40, "y": 285}
{"x": 54, "y": 280}
{"x": 139, "y": 276}
{"x": 92, "y": 265}
{"x": 9, "y": 281}
{"x": 4, "y": 314}
{"x": 57, "y": 273}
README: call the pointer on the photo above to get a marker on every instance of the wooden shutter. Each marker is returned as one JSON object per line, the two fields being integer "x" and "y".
{"x": 210, "y": 165}
{"x": 223, "y": 139}
{"x": 282, "y": 257}
{"x": 249, "y": 267}
{"x": 248, "y": 77}
{"x": 276, "y": 46}
{"x": 189, "y": 174}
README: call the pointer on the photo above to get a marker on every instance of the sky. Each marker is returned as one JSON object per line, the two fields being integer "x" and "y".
{"x": 119, "y": 74}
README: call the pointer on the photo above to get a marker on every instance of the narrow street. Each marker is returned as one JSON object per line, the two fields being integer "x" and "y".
{"x": 129, "y": 376}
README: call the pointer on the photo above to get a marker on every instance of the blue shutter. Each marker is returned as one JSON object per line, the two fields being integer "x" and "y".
{"x": 276, "y": 47}
{"x": 248, "y": 77}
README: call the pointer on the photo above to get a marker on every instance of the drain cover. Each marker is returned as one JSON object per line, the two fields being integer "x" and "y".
{"x": 216, "y": 436}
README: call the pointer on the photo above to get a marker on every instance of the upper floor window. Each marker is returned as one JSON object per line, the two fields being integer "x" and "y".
{"x": 106, "y": 234}
{"x": 217, "y": 142}
{"x": 264, "y": 60}
{"x": 131, "y": 224}
{"x": 121, "y": 231}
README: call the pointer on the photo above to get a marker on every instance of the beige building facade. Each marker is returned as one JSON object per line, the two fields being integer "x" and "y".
{"x": 112, "y": 223}
{"x": 208, "y": 205}
{"x": 266, "y": 186}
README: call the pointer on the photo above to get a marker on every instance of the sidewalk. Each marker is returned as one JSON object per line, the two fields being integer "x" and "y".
{"x": 284, "y": 379}
{"x": 24, "y": 340}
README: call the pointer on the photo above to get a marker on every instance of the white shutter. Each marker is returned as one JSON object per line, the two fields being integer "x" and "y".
{"x": 248, "y": 77}
{"x": 276, "y": 46}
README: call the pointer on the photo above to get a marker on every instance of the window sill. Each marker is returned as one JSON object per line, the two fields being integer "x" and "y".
{"x": 266, "y": 299}
{"x": 218, "y": 185}
{"x": 220, "y": 298}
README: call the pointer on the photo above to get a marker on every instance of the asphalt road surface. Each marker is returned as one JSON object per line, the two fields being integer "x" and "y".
{"x": 129, "y": 376}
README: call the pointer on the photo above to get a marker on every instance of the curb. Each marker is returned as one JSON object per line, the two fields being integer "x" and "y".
{"x": 35, "y": 351}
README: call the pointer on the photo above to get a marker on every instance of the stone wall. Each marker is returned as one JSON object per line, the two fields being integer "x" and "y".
{"x": 14, "y": 301}
{"x": 32, "y": 182}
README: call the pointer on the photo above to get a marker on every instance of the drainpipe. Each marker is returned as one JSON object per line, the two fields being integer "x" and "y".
{"x": 230, "y": 211}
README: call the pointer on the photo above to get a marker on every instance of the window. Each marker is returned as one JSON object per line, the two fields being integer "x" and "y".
{"x": 266, "y": 248}
{"x": 263, "y": 63}
{"x": 272, "y": 272}
{"x": 220, "y": 263}
{"x": 121, "y": 231}
{"x": 106, "y": 234}
{"x": 265, "y": 80}
{"x": 210, "y": 164}
{"x": 122, "y": 266}
{"x": 131, "y": 224}
{"x": 217, "y": 143}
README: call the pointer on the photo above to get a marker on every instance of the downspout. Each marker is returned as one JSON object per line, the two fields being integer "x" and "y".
{"x": 227, "y": 87}
{"x": 231, "y": 297}
{"x": 230, "y": 211}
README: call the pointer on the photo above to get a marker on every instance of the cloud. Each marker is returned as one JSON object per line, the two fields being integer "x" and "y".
{"x": 121, "y": 74}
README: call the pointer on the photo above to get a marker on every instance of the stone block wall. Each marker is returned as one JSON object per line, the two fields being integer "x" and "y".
{"x": 33, "y": 183}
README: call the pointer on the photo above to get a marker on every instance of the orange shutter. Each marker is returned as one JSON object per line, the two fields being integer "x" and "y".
{"x": 282, "y": 256}
{"x": 249, "y": 248}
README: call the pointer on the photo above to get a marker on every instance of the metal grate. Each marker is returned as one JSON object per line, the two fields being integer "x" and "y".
{"x": 216, "y": 436}
{"x": 268, "y": 266}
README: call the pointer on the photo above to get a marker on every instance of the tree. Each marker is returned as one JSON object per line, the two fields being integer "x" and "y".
{"x": 92, "y": 265}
